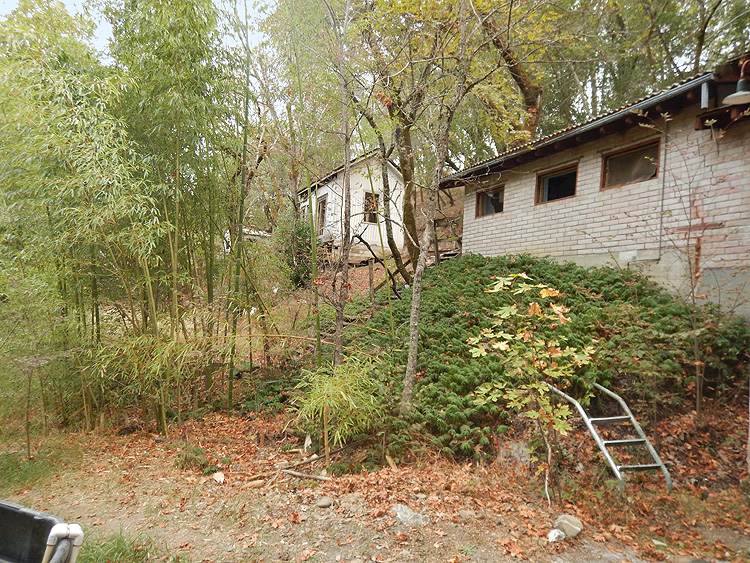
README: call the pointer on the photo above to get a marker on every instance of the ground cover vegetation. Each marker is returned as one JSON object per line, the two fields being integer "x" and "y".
{"x": 609, "y": 326}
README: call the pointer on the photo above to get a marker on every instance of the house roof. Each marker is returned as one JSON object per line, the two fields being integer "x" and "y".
{"x": 669, "y": 99}
{"x": 325, "y": 179}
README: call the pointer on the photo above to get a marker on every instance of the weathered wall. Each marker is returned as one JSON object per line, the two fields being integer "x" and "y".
{"x": 697, "y": 210}
{"x": 365, "y": 177}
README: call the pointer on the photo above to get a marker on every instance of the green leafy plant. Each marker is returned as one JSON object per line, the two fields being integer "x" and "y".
{"x": 343, "y": 400}
{"x": 535, "y": 353}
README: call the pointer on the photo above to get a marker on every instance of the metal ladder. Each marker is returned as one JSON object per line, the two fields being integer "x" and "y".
{"x": 604, "y": 444}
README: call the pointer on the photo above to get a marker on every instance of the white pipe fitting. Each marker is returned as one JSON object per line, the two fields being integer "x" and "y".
{"x": 72, "y": 532}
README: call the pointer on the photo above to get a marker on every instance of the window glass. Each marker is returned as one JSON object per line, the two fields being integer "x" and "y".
{"x": 557, "y": 185}
{"x": 490, "y": 202}
{"x": 631, "y": 166}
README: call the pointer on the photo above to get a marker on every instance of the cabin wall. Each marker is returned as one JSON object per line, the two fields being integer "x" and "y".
{"x": 696, "y": 210}
{"x": 365, "y": 178}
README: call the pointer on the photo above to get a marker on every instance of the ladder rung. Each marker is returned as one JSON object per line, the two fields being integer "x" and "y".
{"x": 627, "y": 442}
{"x": 643, "y": 467}
{"x": 611, "y": 418}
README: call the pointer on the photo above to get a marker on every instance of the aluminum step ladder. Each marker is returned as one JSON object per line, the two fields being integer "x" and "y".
{"x": 604, "y": 445}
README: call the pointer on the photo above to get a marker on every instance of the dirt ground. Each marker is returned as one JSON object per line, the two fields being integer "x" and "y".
{"x": 249, "y": 510}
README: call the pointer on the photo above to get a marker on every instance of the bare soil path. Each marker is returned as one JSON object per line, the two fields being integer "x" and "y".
{"x": 132, "y": 485}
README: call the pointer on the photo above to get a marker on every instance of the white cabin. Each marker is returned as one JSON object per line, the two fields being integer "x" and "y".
{"x": 367, "y": 205}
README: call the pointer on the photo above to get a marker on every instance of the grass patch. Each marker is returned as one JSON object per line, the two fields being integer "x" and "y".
{"x": 18, "y": 472}
{"x": 121, "y": 549}
{"x": 192, "y": 457}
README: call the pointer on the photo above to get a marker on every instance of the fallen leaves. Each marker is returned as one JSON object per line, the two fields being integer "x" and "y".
{"x": 305, "y": 555}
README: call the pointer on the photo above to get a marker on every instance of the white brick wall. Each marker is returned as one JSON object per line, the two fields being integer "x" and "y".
{"x": 701, "y": 180}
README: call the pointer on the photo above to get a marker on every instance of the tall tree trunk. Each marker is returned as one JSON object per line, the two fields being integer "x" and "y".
{"x": 530, "y": 91}
{"x": 341, "y": 275}
{"x": 406, "y": 164}
{"x": 237, "y": 246}
{"x": 444, "y": 120}
{"x": 382, "y": 149}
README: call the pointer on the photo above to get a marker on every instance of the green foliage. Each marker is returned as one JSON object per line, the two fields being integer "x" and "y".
{"x": 639, "y": 333}
{"x": 192, "y": 457}
{"x": 533, "y": 350}
{"x": 291, "y": 240}
{"x": 142, "y": 369}
{"x": 269, "y": 395}
{"x": 350, "y": 394}
{"x": 121, "y": 549}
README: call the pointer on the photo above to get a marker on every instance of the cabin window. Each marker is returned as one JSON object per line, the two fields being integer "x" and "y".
{"x": 371, "y": 207}
{"x": 321, "y": 215}
{"x": 556, "y": 184}
{"x": 631, "y": 165}
{"x": 490, "y": 202}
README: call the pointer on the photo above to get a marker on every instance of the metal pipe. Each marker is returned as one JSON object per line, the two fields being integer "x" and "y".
{"x": 640, "y": 432}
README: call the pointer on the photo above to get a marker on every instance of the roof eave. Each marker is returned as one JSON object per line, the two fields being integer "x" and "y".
{"x": 598, "y": 125}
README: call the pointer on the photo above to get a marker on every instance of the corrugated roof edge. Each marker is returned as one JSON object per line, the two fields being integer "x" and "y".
{"x": 332, "y": 173}
{"x": 652, "y": 99}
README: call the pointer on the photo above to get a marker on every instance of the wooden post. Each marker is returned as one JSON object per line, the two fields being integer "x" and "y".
{"x": 435, "y": 243}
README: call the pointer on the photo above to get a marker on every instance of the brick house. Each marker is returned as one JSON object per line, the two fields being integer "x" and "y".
{"x": 367, "y": 205}
{"x": 662, "y": 184}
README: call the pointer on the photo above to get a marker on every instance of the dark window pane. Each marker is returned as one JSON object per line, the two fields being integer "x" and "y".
{"x": 558, "y": 186}
{"x": 489, "y": 203}
{"x": 633, "y": 166}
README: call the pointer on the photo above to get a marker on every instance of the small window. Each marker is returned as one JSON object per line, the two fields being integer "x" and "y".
{"x": 321, "y": 215}
{"x": 490, "y": 202}
{"x": 631, "y": 165}
{"x": 558, "y": 184}
{"x": 371, "y": 207}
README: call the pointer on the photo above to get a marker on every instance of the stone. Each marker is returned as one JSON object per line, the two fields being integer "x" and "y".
{"x": 324, "y": 502}
{"x": 466, "y": 514}
{"x": 570, "y": 525}
{"x": 407, "y": 516}
{"x": 555, "y": 535}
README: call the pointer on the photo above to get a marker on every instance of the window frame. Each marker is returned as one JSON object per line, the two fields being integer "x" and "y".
{"x": 321, "y": 210}
{"x": 559, "y": 171}
{"x": 486, "y": 192}
{"x": 624, "y": 151}
{"x": 374, "y": 213}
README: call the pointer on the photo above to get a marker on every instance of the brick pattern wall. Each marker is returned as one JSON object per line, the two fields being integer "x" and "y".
{"x": 699, "y": 203}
